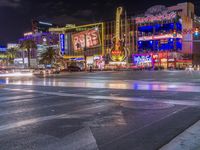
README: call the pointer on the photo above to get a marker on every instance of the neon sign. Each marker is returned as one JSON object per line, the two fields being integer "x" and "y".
{"x": 118, "y": 53}
{"x": 62, "y": 44}
{"x": 28, "y": 34}
{"x": 158, "y": 37}
{"x": 90, "y": 37}
{"x": 164, "y": 16}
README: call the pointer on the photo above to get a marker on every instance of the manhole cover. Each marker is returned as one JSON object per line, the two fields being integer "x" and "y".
{"x": 146, "y": 105}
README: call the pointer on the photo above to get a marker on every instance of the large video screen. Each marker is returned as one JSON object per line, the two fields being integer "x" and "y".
{"x": 92, "y": 38}
{"x": 142, "y": 59}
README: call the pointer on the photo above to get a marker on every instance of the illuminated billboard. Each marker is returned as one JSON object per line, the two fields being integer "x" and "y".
{"x": 142, "y": 59}
{"x": 90, "y": 38}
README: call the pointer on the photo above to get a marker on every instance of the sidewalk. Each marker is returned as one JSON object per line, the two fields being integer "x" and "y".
{"x": 188, "y": 140}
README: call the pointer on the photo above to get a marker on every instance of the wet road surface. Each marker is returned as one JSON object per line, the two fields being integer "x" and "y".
{"x": 97, "y": 111}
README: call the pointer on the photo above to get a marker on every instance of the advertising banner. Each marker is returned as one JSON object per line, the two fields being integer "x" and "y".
{"x": 90, "y": 37}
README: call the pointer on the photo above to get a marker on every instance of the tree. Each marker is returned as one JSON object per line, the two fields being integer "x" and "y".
{"x": 59, "y": 61}
{"x": 11, "y": 54}
{"x": 48, "y": 57}
{"x": 28, "y": 45}
{"x": 53, "y": 57}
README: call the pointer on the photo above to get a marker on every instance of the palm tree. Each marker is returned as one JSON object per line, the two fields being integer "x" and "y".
{"x": 11, "y": 54}
{"x": 60, "y": 62}
{"x": 52, "y": 57}
{"x": 48, "y": 57}
{"x": 28, "y": 45}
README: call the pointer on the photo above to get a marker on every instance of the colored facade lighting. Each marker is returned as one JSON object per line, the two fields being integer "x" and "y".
{"x": 158, "y": 37}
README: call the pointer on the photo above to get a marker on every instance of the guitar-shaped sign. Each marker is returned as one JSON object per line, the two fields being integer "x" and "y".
{"x": 118, "y": 53}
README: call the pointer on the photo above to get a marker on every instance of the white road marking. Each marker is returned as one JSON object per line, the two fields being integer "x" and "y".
{"x": 115, "y": 98}
{"x": 20, "y": 97}
{"x": 81, "y": 139}
{"x": 45, "y": 118}
{"x": 27, "y": 100}
{"x": 23, "y": 110}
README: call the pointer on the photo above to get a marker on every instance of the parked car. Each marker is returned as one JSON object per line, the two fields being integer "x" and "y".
{"x": 74, "y": 68}
{"x": 39, "y": 72}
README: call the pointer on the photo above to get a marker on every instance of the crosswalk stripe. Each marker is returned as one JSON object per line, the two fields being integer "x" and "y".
{"x": 20, "y": 97}
{"x": 23, "y": 110}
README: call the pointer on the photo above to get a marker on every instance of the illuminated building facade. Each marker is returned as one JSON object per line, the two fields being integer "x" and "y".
{"x": 41, "y": 26}
{"x": 78, "y": 43}
{"x": 165, "y": 36}
{"x": 97, "y": 42}
{"x": 42, "y": 40}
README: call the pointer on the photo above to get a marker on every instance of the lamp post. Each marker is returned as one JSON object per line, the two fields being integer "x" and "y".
{"x": 85, "y": 47}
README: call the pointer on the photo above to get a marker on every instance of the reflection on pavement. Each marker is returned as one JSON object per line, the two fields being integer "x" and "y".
{"x": 109, "y": 84}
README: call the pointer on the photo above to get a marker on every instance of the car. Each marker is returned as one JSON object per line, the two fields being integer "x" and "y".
{"x": 39, "y": 72}
{"x": 74, "y": 68}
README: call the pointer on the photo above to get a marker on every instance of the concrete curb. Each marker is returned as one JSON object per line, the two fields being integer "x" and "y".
{"x": 188, "y": 140}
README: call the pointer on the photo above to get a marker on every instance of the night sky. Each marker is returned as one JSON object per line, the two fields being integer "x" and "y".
{"x": 16, "y": 15}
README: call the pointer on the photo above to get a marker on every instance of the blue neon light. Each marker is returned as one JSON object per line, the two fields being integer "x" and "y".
{"x": 160, "y": 45}
{"x": 3, "y": 49}
{"x": 77, "y": 59}
{"x": 159, "y": 27}
{"x": 62, "y": 43}
{"x": 146, "y": 28}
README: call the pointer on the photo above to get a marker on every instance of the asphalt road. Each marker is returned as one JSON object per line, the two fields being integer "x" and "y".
{"x": 97, "y": 111}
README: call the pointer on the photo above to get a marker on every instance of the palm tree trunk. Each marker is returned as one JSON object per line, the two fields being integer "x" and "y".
{"x": 23, "y": 59}
{"x": 29, "y": 59}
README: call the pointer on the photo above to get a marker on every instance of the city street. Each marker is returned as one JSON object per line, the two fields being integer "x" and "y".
{"x": 141, "y": 110}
